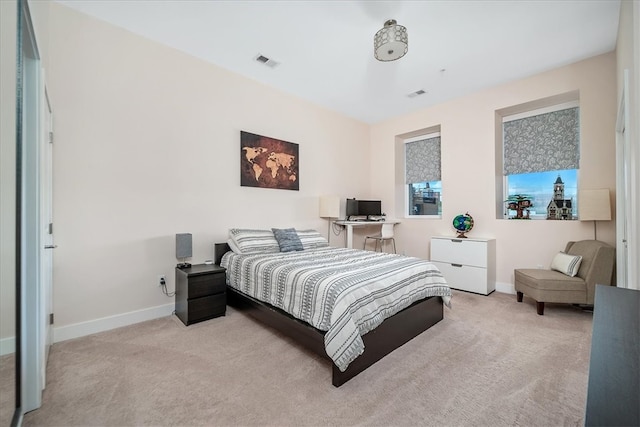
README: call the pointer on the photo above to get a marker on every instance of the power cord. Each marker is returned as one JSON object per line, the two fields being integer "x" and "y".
{"x": 163, "y": 285}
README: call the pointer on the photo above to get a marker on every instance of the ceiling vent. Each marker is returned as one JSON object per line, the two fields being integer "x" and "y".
{"x": 266, "y": 61}
{"x": 417, "y": 93}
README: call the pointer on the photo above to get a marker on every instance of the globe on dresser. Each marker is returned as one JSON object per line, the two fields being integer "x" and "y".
{"x": 463, "y": 224}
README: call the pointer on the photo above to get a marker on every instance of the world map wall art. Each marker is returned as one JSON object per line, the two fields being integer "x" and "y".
{"x": 268, "y": 163}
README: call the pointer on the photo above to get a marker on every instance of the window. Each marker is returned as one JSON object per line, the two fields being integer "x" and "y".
{"x": 541, "y": 154}
{"x": 422, "y": 176}
{"x": 541, "y": 188}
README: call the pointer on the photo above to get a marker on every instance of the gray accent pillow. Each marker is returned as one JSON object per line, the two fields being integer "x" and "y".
{"x": 288, "y": 239}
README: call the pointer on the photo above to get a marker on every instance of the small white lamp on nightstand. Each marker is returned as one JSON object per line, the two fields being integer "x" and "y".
{"x": 329, "y": 208}
{"x": 594, "y": 205}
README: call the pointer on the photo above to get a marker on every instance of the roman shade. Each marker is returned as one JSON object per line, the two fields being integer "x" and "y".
{"x": 543, "y": 142}
{"x": 422, "y": 160}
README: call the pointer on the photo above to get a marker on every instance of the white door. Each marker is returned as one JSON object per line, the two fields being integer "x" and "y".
{"x": 46, "y": 227}
{"x": 29, "y": 151}
{"x": 623, "y": 184}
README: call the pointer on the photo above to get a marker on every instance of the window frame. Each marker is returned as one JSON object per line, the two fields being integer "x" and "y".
{"x": 407, "y": 201}
{"x": 542, "y": 106}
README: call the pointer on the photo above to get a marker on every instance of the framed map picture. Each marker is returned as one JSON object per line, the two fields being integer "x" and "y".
{"x": 268, "y": 162}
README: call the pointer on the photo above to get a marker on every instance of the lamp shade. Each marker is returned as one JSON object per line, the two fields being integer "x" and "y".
{"x": 329, "y": 207}
{"x": 391, "y": 42}
{"x": 594, "y": 205}
{"x": 184, "y": 245}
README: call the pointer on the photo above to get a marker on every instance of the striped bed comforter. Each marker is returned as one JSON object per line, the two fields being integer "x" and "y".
{"x": 345, "y": 292}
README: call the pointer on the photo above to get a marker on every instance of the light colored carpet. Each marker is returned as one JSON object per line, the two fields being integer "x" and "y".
{"x": 7, "y": 388}
{"x": 490, "y": 362}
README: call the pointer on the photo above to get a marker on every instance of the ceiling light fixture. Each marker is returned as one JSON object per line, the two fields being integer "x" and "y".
{"x": 391, "y": 42}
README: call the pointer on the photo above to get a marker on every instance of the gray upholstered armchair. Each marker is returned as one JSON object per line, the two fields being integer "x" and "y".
{"x": 596, "y": 267}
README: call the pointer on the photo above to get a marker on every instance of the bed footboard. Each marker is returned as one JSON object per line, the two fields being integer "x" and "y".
{"x": 391, "y": 334}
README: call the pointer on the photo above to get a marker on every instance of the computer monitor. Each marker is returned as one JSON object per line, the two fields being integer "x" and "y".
{"x": 351, "y": 208}
{"x": 369, "y": 207}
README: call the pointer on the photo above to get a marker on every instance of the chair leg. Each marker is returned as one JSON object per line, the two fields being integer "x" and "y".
{"x": 540, "y": 308}
{"x": 394, "y": 245}
{"x": 519, "y": 296}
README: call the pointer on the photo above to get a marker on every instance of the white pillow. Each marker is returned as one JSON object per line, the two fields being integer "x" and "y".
{"x": 253, "y": 241}
{"x": 312, "y": 239}
{"x": 566, "y": 264}
{"x": 233, "y": 247}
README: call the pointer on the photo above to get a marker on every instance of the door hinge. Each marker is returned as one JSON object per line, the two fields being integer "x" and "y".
{"x": 51, "y": 137}
{"x": 50, "y": 228}
{"x": 51, "y": 318}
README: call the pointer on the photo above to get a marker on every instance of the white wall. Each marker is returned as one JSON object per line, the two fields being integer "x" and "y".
{"x": 468, "y": 134}
{"x": 628, "y": 57}
{"x": 148, "y": 145}
{"x": 8, "y": 27}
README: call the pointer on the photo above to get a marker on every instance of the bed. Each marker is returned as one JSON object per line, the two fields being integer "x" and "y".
{"x": 352, "y": 307}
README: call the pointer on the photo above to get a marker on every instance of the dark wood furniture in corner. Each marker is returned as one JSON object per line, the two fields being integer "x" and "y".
{"x": 391, "y": 334}
{"x": 200, "y": 293}
{"x": 613, "y": 394}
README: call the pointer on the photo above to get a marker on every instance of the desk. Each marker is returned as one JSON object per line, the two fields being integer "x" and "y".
{"x": 350, "y": 224}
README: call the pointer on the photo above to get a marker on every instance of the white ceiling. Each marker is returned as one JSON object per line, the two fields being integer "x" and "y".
{"x": 325, "y": 48}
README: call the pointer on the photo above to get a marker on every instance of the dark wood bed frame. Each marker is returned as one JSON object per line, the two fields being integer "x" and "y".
{"x": 391, "y": 334}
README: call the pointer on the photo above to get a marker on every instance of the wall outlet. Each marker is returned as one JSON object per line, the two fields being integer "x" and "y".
{"x": 540, "y": 266}
{"x": 162, "y": 279}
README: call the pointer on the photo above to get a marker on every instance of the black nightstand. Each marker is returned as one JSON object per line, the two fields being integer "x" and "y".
{"x": 201, "y": 293}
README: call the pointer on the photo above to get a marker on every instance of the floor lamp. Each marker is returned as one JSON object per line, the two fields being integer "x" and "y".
{"x": 594, "y": 205}
{"x": 329, "y": 208}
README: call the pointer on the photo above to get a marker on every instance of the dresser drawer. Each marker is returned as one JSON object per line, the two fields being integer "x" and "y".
{"x": 206, "y": 284}
{"x": 459, "y": 251}
{"x": 466, "y": 278}
{"x": 207, "y": 307}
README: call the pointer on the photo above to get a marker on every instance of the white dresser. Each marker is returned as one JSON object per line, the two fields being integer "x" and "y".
{"x": 468, "y": 264}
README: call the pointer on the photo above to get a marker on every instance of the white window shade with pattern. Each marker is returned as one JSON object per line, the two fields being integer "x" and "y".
{"x": 543, "y": 142}
{"x": 422, "y": 160}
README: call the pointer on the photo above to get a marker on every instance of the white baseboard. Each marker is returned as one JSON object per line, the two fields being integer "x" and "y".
{"x": 82, "y": 329}
{"x": 77, "y": 330}
{"x": 7, "y": 345}
{"x": 505, "y": 288}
